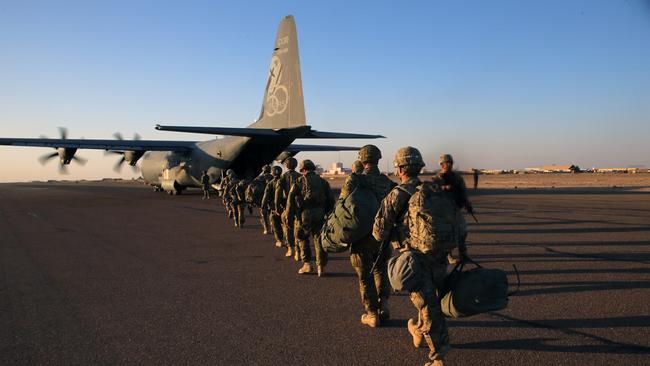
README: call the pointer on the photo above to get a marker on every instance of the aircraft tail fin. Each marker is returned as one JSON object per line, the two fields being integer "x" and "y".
{"x": 283, "y": 105}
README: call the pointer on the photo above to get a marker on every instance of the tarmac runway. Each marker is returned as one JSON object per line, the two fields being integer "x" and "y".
{"x": 113, "y": 273}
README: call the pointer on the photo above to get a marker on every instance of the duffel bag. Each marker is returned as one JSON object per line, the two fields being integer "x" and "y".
{"x": 475, "y": 291}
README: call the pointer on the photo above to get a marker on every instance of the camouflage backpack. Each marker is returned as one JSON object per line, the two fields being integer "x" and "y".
{"x": 312, "y": 194}
{"x": 255, "y": 191}
{"x": 431, "y": 219}
{"x": 350, "y": 220}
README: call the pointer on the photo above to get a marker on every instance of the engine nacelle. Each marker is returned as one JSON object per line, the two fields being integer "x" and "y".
{"x": 132, "y": 157}
{"x": 66, "y": 154}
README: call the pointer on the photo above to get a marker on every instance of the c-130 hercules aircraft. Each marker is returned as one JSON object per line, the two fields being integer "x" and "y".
{"x": 175, "y": 165}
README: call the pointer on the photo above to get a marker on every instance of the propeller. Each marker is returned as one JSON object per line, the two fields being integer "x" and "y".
{"x": 65, "y": 154}
{"x": 129, "y": 156}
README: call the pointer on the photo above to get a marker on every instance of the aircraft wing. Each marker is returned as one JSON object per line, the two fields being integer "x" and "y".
{"x": 302, "y": 132}
{"x": 116, "y": 145}
{"x": 296, "y": 148}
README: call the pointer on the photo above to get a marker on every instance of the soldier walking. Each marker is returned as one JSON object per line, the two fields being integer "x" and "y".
{"x": 255, "y": 195}
{"x": 205, "y": 185}
{"x": 225, "y": 192}
{"x": 453, "y": 183}
{"x": 389, "y": 225}
{"x": 368, "y": 256}
{"x": 310, "y": 198}
{"x": 235, "y": 192}
{"x": 281, "y": 195}
{"x": 268, "y": 205}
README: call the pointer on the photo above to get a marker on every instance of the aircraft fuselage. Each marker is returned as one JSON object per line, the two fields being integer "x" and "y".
{"x": 172, "y": 170}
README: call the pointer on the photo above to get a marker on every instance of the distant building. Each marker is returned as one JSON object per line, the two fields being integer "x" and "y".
{"x": 338, "y": 169}
{"x": 554, "y": 169}
{"x": 620, "y": 170}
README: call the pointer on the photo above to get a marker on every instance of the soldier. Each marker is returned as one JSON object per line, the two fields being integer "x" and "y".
{"x": 389, "y": 225}
{"x": 357, "y": 167}
{"x": 255, "y": 195}
{"x": 368, "y": 256}
{"x": 281, "y": 194}
{"x": 452, "y": 182}
{"x": 235, "y": 191}
{"x": 268, "y": 205}
{"x": 225, "y": 192}
{"x": 205, "y": 185}
{"x": 310, "y": 198}
{"x": 475, "y": 174}
{"x": 353, "y": 180}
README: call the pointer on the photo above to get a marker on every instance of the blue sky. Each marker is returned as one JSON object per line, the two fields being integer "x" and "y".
{"x": 498, "y": 84}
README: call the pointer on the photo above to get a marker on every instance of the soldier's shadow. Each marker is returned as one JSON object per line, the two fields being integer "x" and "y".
{"x": 339, "y": 274}
{"x": 394, "y": 323}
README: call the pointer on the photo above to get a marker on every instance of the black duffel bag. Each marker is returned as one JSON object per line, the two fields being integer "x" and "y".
{"x": 475, "y": 291}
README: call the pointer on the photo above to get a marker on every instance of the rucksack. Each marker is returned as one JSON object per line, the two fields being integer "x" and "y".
{"x": 350, "y": 220}
{"x": 255, "y": 191}
{"x": 312, "y": 194}
{"x": 475, "y": 291}
{"x": 431, "y": 219}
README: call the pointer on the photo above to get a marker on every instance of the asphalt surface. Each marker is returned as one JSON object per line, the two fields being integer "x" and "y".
{"x": 117, "y": 274}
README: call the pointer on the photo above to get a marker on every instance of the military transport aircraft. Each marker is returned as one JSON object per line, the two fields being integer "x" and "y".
{"x": 175, "y": 165}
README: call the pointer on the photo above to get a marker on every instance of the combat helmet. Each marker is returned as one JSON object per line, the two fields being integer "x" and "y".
{"x": 276, "y": 171}
{"x": 266, "y": 169}
{"x": 291, "y": 163}
{"x": 409, "y": 157}
{"x": 369, "y": 154}
{"x": 307, "y": 165}
{"x": 446, "y": 158}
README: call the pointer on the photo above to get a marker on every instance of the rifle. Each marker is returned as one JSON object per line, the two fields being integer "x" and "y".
{"x": 475, "y": 219}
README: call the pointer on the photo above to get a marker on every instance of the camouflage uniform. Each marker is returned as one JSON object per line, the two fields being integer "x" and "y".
{"x": 281, "y": 194}
{"x": 310, "y": 199}
{"x": 389, "y": 225}
{"x": 236, "y": 191}
{"x": 268, "y": 204}
{"x": 266, "y": 177}
{"x": 373, "y": 282}
{"x": 225, "y": 194}
{"x": 453, "y": 183}
{"x": 205, "y": 185}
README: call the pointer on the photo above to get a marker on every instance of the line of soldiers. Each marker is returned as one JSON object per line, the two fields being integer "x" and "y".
{"x": 294, "y": 207}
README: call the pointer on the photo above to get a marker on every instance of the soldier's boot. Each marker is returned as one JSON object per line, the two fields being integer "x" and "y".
{"x": 384, "y": 312}
{"x": 320, "y": 270}
{"x": 289, "y": 252}
{"x": 306, "y": 268}
{"x": 415, "y": 333}
{"x": 278, "y": 244}
{"x": 296, "y": 255}
{"x": 435, "y": 363}
{"x": 370, "y": 319}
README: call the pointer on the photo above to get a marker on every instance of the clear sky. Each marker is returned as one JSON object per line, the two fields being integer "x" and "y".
{"x": 498, "y": 84}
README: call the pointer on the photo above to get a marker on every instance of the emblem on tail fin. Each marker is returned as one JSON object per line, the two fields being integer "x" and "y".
{"x": 277, "y": 96}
